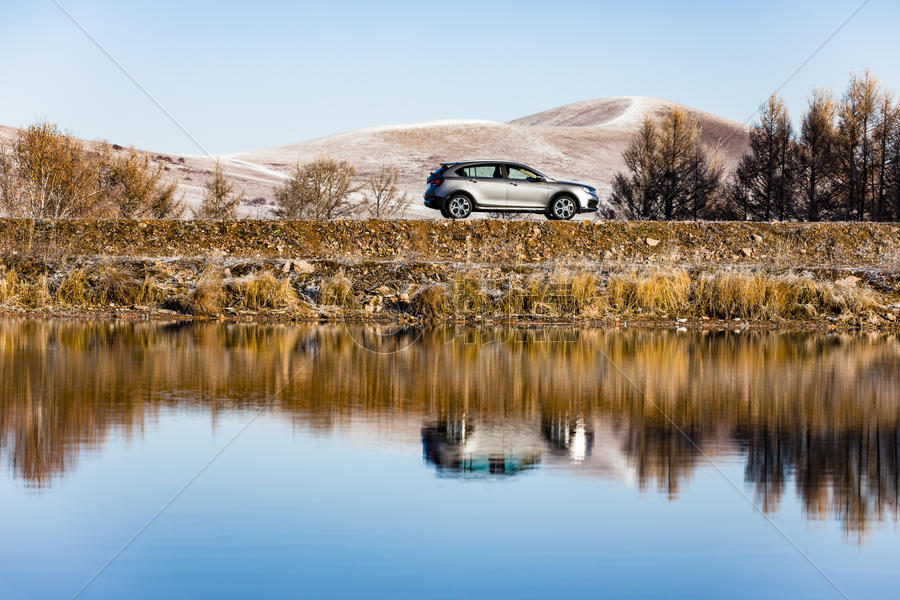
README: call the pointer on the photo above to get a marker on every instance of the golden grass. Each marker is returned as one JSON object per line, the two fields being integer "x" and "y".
{"x": 150, "y": 293}
{"x": 658, "y": 293}
{"x": 115, "y": 285}
{"x": 206, "y": 297}
{"x": 35, "y": 294}
{"x": 337, "y": 290}
{"x": 432, "y": 302}
{"x": 467, "y": 295}
{"x": 755, "y": 296}
{"x": 10, "y": 285}
{"x": 75, "y": 289}
{"x": 264, "y": 291}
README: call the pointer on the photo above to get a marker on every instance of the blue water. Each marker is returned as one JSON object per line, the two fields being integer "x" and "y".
{"x": 317, "y": 501}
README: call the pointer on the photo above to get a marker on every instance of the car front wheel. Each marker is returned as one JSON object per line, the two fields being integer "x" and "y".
{"x": 459, "y": 206}
{"x": 562, "y": 208}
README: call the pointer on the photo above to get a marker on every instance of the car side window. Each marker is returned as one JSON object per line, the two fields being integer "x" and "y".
{"x": 484, "y": 171}
{"x": 522, "y": 173}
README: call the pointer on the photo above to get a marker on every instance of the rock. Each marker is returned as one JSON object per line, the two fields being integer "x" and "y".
{"x": 849, "y": 280}
{"x": 747, "y": 251}
{"x": 286, "y": 267}
{"x": 303, "y": 266}
{"x": 651, "y": 242}
{"x": 757, "y": 238}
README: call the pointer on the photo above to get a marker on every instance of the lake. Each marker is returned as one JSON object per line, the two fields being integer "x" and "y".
{"x": 148, "y": 460}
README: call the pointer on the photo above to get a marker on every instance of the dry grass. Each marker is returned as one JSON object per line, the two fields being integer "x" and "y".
{"x": 115, "y": 285}
{"x": 10, "y": 285}
{"x": 35, "y": 294}
{"x": 656, "y": 293}
{"x": 264, "y": 291}
{"x": 337, "y": 290}
{"x": 206, "y": 297}
{"x": 150, "y": 293}
{"x": 432, "y": 302}
{"x": 75, "y": 289}
{"x": 467, "y": 295}
{"x": 756, "y": 296}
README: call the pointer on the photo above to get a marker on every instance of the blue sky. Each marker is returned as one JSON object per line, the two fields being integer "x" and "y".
{"x": 244, "y": 75}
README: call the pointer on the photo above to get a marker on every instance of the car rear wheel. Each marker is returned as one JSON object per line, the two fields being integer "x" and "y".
{"x": 459, "y": 206}
{"x": 562, "y": 208}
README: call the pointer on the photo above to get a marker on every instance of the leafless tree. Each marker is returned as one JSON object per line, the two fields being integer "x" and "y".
{"x": 382, "y": 198}
{"x": 317, "y": 190}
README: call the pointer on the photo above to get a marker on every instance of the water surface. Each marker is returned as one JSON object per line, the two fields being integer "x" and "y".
{"x": 508, "y": 463}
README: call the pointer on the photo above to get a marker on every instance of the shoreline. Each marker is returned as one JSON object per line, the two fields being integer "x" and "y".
{"x": 165, "y": 316}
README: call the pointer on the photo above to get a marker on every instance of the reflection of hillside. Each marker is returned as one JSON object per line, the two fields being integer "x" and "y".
{"x": 819, "y": 410}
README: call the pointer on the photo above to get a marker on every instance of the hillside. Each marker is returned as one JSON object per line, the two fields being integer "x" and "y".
{"x": 581, "y": 141}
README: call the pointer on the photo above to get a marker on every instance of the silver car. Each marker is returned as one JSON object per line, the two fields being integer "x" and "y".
{"x": 458, "y": 188}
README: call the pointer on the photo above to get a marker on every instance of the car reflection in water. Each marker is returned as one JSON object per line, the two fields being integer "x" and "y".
{"x": 457, "y": 447}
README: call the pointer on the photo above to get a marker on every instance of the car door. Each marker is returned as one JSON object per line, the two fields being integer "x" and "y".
{"x": 486, "y": 183}
{"x": 525, "y": 189}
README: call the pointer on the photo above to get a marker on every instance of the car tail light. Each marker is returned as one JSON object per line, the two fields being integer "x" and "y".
{"x": 436, "y": 181}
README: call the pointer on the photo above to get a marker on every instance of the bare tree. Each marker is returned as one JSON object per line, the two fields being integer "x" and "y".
{"x": 49, "y": 174}
{"x": 134, "y": 188}
{"x": 317, "y": 190}
{"x": 857, "y": 119}
{"x": 220, "y": 201}
{"x": 817, "y": 139}
{"x": 671, "y": 175}
{"x": 382, "y": 198}
{"x": 765, "y": 179}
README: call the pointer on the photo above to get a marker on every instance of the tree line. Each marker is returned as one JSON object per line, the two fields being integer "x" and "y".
{"x": 50, "y": 174}
{"x": 842, "y": 164}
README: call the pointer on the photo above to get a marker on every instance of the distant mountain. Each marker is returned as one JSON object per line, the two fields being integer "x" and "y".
{"x": 581, "y": 142}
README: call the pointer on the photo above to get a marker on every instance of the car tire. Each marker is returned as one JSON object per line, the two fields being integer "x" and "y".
{"x": 459, "y": 206}
{"x": 562, "y": 208}
{"x": 444, "y": 212}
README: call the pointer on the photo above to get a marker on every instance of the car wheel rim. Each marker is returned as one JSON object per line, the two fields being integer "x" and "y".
{"x": 565, "y": 208}
{"x": 459, "y": 207}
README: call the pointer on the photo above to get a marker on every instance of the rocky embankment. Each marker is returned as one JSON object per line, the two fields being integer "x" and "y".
{"x": 772, "y": 274}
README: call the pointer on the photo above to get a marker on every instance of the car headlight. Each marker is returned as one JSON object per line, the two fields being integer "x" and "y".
{"x": 591, "y": 191}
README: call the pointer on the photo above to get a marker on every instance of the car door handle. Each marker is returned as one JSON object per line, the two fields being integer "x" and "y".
{"x": 515, "y": 184}
{"x": 473, "y": 181}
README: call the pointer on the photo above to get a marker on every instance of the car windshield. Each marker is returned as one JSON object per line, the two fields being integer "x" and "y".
{"x": 522, "y": 173}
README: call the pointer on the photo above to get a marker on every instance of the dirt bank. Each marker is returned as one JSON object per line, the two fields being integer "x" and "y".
{"x": 482, "y": 241}
{"x": 829, "y": 274}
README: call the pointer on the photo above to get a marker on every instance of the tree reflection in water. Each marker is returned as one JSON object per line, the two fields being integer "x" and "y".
{"x": 821, "y": 411}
